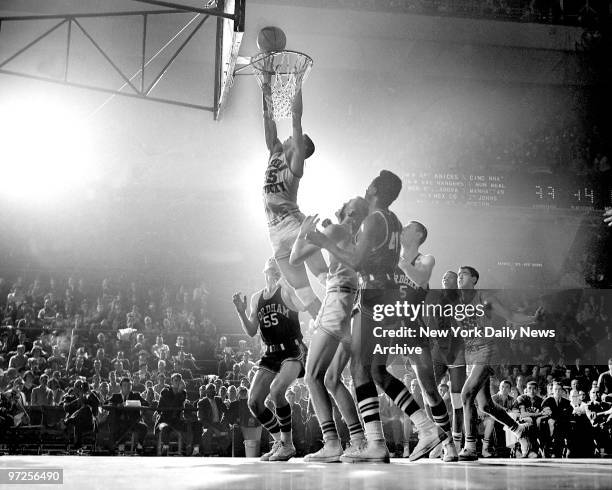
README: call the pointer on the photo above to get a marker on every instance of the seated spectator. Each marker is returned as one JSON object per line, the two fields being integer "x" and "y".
{"x": 37, "y": 363}
{"x": 529, "y": 407}
{"x": 28, "y": 386}
{"x": 113, "y": 386}
{"x": 600, "y": 416}
{"x": 211, "y": 415}
{"x": 97, "y": 370}
{"x": 105, "y": 363}
{"x": 604, "y": 383}
{"x": 556, "y": 411}
{"x": 17, "y": 410}
{"x": 119, "y": 370}
{"x": 124, "y": 422}
{"x": 79, "y": 370}
{"x": 57, "y": 361}
{"x": 123, "y": 360}
{"x": 234, "y": 376}
{"x": 225, "y": 366}
{"x": 160, "y": 347}
{"x": 81, "y": 407}
{"x": 56, "y": 389}
{"x": 580, "y": 437}
{"x": 492, "y": 427}
{"x": 180, "y": 365}
{"x": 161, "y": 384}
{"x": 246, "y": 364}
{"x": 19, "y": 360}
{"x": 42, "y": 395}
{"x": 169, "y": 415}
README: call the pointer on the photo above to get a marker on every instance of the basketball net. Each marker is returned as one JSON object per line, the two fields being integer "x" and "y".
{"x": 285, "y": 71}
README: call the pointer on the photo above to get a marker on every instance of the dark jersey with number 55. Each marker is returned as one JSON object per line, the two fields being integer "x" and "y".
{"x": 382, "y": 260}
{"x": 278, "y": 324}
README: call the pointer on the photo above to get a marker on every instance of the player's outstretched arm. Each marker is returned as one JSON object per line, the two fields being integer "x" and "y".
{"x": 248, "y": 321}
{"x": 516, "y": 318}
{"x": 371, "y": 228}
{"x": 296, "y": 155}
{"x": 272, "y": 142}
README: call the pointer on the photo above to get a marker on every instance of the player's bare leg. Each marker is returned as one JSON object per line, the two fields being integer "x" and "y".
{"x": 297, "y": 278}
{"x": 288, "y": 374}
{"x": 260, "y": 388}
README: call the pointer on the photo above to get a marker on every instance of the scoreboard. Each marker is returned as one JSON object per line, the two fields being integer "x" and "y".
{"x": 509, "y": 189}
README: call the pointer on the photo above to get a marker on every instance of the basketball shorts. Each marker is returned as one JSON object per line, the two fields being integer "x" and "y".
{"x": 273, "y": 361}
{"x": 479, "y": 354}
{"x": 284, "y": 233}
{"x": 334, "y": 317}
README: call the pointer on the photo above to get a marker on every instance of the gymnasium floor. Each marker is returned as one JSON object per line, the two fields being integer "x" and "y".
{"x": 136, "y": 473}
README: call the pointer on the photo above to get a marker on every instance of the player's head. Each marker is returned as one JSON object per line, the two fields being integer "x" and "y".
{"x": 385, "y": 188}
{"x": 309, "y": 146}
{"x": 413, "y": 232}
{"x": 271, "y": 272}
{"x": 467, "y": 277}
{"x": 353, "y": 212}
{"x": 449, "y": 280}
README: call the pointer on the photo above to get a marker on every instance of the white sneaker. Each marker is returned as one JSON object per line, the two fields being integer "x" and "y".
{"x": 329, "y": 453}
{"x": 367, "y": 452}
{"x": 468, "y": 455}
{"x": 275, "y": 447}
{"x": 450, "y": 454}
{"x": 428, "y": 440}
{"x": 196, "y": 451}
{"x": 285, "y": 452}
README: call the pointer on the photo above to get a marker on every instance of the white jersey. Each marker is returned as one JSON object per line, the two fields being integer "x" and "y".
{"x": 280, "y": 188}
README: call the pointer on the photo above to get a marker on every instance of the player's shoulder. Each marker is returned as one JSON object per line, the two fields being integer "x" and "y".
{"x": 336, "y": 232}
{"x": 427, "y": 259}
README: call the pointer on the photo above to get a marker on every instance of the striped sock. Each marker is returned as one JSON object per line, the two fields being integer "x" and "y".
{"x": 457, "y": 436}
{"x": 329, "y": 431}
{"x": 284, "y": 418}
{"x": 356, "y": 431}
{"x": 400, "y": 395}
{"x": 369, "y": 408}
{"x": 470, "y": 443}
{"x": 440, "y": 416}
{"x": 268, "y": 420}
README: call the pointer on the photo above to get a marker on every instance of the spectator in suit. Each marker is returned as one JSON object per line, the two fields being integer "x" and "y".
{"x": 600, "y": 416}
{"x": 81, "y": 407}
{"x": 19, "y": 360}
{"x": 557, "y": 411}
{"x": 124, "y": 422}
{"x": 170, "y": 415}
{"x": 79, "y": 370}
{"x": 225, "y": 366}
{"x": 42, "y": 395}
{"x": 211, "y": 415}
{"x": 246, "y": 364}
{"x": 604, "y": 383}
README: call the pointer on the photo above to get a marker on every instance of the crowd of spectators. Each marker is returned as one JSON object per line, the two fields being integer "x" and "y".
{"x": 143, "y": 370}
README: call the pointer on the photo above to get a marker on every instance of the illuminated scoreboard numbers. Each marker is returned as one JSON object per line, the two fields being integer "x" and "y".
{"x": 584, "y": 195}
{"x": 545, "y": 193}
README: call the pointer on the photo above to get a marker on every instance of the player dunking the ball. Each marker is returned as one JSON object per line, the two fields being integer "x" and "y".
{"x": 273, "y": 313}
{"x": 283, "y": 173}
{"x": 330, "y": 347}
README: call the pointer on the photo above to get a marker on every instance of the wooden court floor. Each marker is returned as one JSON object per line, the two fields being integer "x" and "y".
{"x": 144, "y": 473}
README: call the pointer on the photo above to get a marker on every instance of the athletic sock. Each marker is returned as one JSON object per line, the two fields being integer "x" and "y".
{"x": 328, "y": 428}
{"x": 369, "y": 408}
{"x": 400, "y": 395}
{"x": 420, "y": 419}
{"x": 356, "y": 431}
{"x": 470, "y": 443}
{"x": 269, "y": 421}
{"x": 457, "y": 436}
{"x": 283, "y": 413}
{"x": 440, "y": 416}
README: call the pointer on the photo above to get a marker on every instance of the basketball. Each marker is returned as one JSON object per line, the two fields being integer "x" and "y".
{"x": 271, "y": 39}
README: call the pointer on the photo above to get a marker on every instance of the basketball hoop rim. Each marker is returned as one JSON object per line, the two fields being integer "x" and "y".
{"x": 256, "y": 61}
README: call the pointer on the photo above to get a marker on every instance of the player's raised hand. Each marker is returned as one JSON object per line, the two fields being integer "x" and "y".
{"x": 309, "y": 224}
{"x": 239, "y": 301}
{"x": 315, "y": 237}
{"x": 608, "y": 216}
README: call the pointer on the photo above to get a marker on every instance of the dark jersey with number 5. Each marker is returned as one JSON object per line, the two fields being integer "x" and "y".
{"x": 384, "y": 257}
{"x": 277, "y": 323}
{"x": 409, "y": 290}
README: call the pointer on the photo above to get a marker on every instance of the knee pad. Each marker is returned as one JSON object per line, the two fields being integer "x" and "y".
{"x": 306, "y": 295}
{"x": 456, "y": 401}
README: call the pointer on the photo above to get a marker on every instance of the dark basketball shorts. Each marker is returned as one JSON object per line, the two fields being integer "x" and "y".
{"x": 273, "y": 361}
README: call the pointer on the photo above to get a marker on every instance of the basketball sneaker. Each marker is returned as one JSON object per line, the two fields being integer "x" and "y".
{"x": 366, "y": 452}
{"x": 468, "y": 454}
{"x": 429, "y": 439}
{"x": 329, "y": 453}
{"x": 449, "y": 452}
{"x": 275, "y": 447}
{"x": 486, "y": 452}
{"x": 285, "y": 452}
